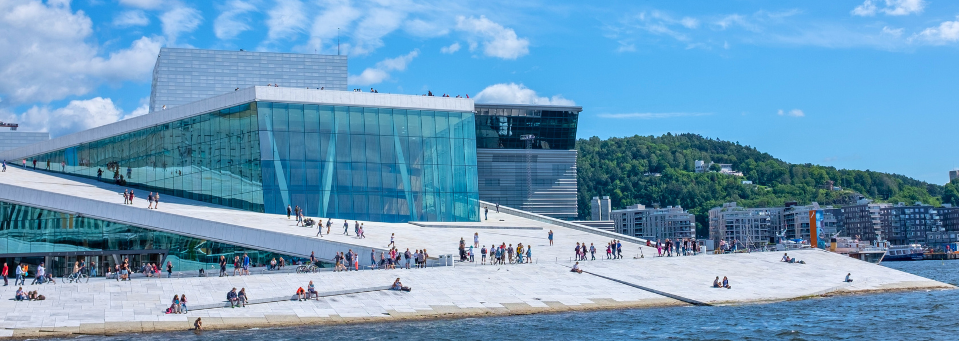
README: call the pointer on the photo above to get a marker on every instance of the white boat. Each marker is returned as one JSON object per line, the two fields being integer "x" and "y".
{"x": 864, "y": 251}
{"x": 904, "y": 252}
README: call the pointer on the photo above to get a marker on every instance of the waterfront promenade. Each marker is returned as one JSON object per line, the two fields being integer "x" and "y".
{"x": 104, "y": 306}
{"x": 109, "y": 307}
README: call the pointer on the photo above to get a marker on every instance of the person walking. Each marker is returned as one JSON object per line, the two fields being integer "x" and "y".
{"x": 99, "y": 174}
{"x": 407, "y": 255}
{"x": 486, "y": 212}
{"x": 6, "y": 270}
{"x": 4, "y": 165}
{"x": 40, "y": 273}
{"x": 329, "y": 224}
{"x": 169, "y": 269}
{"x": 319, "y": 228}
{"x": 592, "y": 251}
{"x": 156, "y": 200}
{"x": 20, "y": 275}
{"x": 246, "y": 264}
{"x": 346, "y": 228}
{"x": 392, "y": 240}
{"x": 476, "y": 239}
{"x": 550, "y": 237}
{"x": 222, "y": 266}
{"x": 497, "y": 207}
{"x": 150, "y": 201}
{"x": 289, "y": 211}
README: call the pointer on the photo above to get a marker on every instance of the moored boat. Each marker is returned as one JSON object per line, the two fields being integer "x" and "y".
{"x": 904, "y": 252}
{"x": 864, "y": 251}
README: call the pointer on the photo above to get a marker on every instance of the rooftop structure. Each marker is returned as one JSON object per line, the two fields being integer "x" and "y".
{"x": 11, "y": 139}
{"x": 182, "y": 76}
{"x": 540, "y": 179}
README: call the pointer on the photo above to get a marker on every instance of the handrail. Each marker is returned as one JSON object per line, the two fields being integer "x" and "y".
{"x": 563, "y": 223}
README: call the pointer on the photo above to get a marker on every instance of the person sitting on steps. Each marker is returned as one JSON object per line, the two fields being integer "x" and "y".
{"x": 576, "y": 268}
{"x": 399, "y": 286}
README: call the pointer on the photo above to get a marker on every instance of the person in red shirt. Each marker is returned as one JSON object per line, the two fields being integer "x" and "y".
{"x": 6, "y": 272}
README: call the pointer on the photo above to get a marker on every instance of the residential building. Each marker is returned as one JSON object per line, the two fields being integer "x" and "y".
{"x": 600, "y": 208}
{"x": 909, "y": 224}
{"x": 724, "y": 168}
{"x": 947, "y": 228}
{"x": 864, "y": 220}
{"x": 654, "y": 224}
{"x": 750, "y": 226}
{"x": 526, "y": 156}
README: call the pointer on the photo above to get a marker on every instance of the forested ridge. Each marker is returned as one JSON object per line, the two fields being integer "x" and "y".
{"x": 624, "y": 169}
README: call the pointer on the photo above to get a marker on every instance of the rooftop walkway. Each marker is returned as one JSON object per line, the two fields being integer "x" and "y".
{"x": 272, "y": 232}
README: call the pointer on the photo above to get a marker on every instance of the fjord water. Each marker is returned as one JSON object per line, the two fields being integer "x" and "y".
{"x": 925, "y": 315}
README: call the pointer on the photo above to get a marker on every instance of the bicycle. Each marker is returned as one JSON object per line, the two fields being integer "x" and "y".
{"x": 77, "y": 278}
{"x": 306, "y": 269}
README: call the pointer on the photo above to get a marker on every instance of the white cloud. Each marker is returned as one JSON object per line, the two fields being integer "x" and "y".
{"x": 47, "y": 54}
{"x": 512, "y": 93}
{"x": 867, "y": 8}
{"x": 378, "y": 22}
{"x": 892, "y": 7}
{"x": 450, "y": 49}
{"x": 422, "y": 28}
{"x": 381, "y": 71}
{"x": 131, "y": 18}
{"x": 231, "y": 22}
{"x": 793, "y": 113}
{"x": 144, "y": 4}
{"x": 946, "y": 32}
{"x": 338, "y": 15}
{"x": 498, "y": 41}
{"x": 904, "y": 7}
{"x": 895, "y": 32}
{"x": 286, "y": 20}
{"x": 180, "y": 20}
{"x": 689, "y": 22}
{"x": 76, "y": 116}
{"x": 654, "y": 115}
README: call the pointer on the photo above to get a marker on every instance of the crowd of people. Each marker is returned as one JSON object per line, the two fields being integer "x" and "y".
{"x": 28, "y": 296}
{"x": 669, "y": 247}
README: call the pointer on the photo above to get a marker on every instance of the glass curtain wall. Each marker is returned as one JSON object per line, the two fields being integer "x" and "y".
{"x": 25, "y": 229}
{"x": 213, "y": 157}
{"x": 499, "y": 128}
{"x": 373, "y": 164}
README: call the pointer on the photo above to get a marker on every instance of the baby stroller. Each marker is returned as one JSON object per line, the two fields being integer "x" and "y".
{"x": 309, "y": 222}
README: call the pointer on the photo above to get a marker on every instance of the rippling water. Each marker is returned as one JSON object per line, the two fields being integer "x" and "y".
{"x": 893, "y": 316}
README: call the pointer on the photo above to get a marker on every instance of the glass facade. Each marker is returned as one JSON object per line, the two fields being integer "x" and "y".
{"x": 501, "y": 126}
{"x": 213, "y": 157}
{"x": 182, "y": 76}
{"x": 373, "y": 164}
{"x": 28, "y": 230}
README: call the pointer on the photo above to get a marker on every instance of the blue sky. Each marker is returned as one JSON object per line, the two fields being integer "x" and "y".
{"x": 852, "y": 84}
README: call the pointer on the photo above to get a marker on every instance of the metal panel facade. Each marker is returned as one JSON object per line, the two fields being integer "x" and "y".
{"x": 182, "y": 76}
